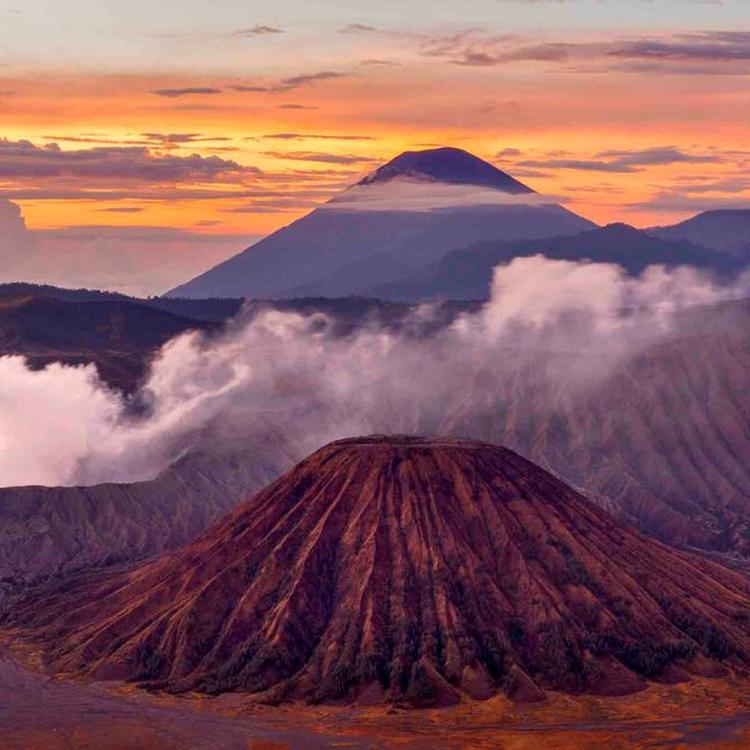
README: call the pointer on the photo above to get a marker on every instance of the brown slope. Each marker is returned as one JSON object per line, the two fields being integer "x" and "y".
{"x": 402, "y": 568}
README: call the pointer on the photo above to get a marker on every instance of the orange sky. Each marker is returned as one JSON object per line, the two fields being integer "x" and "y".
{"x": 619, "y": 125}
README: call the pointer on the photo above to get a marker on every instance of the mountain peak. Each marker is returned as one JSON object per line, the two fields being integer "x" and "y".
{"x": 450, "y": 165}
{"x": 408, "y": 569}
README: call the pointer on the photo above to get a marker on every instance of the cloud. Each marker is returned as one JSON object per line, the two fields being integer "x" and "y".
{"x": 296, "y": 106}
{"x": 404, "y": 194}
{"x": 134, "y": 191}
{"x": 23, "y": 159}
{"x": 374, "y": 62}
{"x": 550, "y": 52}
{"x": 170, "y": 139}
{"x": 122, "y": 209}
{"x": 17, "y": 245}
{"x": 659, "y": 155}
{"x": 249, "y": 89}
{"x": 98, "y": 139}
{"x": 700, "y": 52}
{"x": 319, "y": 157}
{"x": 134, "y": 260}
{"x": 556, "y": 328}
{"x": 706, "y": 46}
{"x": 587, "y": 165}
{"x": 174, "y": 93}
{"x": 358, "y": 28}
{"x": 624, "y": 161}
{"x": 289, "y": 84}
{"x": 740, "y": 184}
{"x": 295, "y": 82}
{"x": 50, "y": 397}
{"x": 259, "y": 30}
{"x": 317, "y": 136}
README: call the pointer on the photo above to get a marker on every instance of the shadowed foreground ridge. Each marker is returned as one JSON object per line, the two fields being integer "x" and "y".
{"x": 401, "y": 568}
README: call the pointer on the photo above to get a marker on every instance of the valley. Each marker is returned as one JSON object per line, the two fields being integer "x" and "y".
{"x": 40, "y": 713}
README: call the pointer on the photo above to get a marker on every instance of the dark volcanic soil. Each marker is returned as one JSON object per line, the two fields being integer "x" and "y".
{"x": 407, "y": 569}
{"x": 37, "y": 711}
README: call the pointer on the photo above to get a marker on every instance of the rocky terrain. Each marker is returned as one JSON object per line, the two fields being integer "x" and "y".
{"x": 406, "y": 569}
{"x": 47, "y": 531}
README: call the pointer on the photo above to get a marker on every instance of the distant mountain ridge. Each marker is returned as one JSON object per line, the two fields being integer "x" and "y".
{"x": 467, "y": 273}
{"x": 120, "y": 334}
{"x": 341, "y": 248}
{"x": 213, "y": 310}
{"x": 726, "y": 231}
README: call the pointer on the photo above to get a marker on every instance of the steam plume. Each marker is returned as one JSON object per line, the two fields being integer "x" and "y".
{"x": 554, "y": 327}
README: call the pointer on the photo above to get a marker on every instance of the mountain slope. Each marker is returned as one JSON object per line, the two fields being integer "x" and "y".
{"x": 409, "y": 569}
{"x": 727, "y": 231}
{"x": 349, "y": 229}
{"x": 46, "y": 531}
{"x": 467, "y": 273}
{"x": 120, "y": 336}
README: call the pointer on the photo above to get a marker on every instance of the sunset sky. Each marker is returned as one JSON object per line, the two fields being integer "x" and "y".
{"x": 226, "y": 120}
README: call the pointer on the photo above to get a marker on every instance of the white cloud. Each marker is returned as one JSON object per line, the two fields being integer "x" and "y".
{"x": 557, "y": 327}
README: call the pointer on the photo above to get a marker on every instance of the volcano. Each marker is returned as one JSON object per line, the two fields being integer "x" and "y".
{"x": 423, "y": 571}
{"x": 452, "y": 166}
{"x": 406, "y": 215}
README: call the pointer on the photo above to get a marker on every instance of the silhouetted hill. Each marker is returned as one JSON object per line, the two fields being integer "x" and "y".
{"x": 208, "y": 310}
{"x": 727, "y": 231}
{"x": 467, "y": 273}
{"x": 118, "y": 335}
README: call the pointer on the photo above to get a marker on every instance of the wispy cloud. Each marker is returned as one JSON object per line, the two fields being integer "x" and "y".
{"x": 699, "y": 52}
{"x": 23, "y": 159}
{"x": 174, "y": 93}
{"x": 316, "y": 136}
{"x": 259, "y": 30}
{"x": 289, "y": 84}
{"x": 620, "y": 161}
{"x": 320, "y": 157}
{"x": 172, "y": 139}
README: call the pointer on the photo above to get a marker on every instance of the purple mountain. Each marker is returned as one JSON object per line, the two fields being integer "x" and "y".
{"x": 405, "y": 216}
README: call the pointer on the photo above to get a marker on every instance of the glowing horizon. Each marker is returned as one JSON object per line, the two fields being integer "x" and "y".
{"x": 636, "y": 113}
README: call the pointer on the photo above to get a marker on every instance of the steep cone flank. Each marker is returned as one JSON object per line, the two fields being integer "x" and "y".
{"x": 403, "y": 568}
